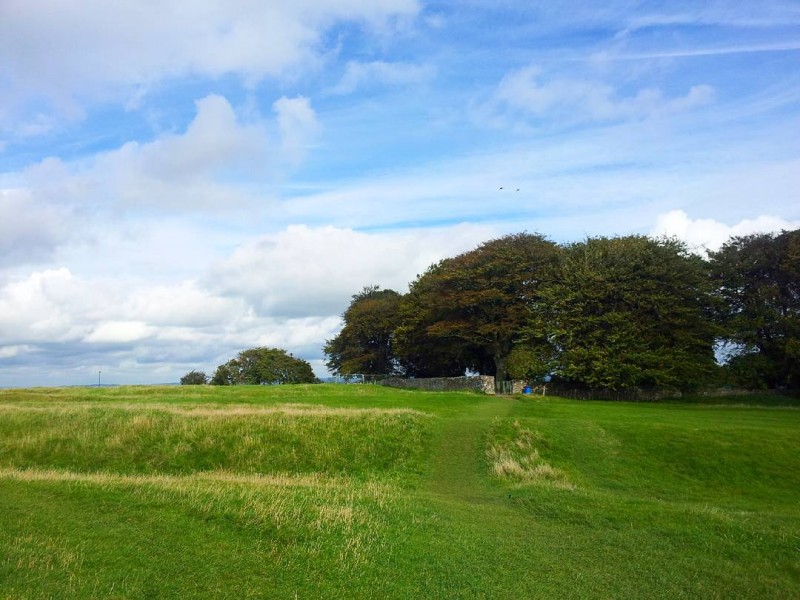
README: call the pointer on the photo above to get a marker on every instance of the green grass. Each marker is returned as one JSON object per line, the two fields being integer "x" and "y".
{"x": 367, "y": 492}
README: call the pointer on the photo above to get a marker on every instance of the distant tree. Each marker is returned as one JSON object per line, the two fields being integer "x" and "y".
{"x": 630, "y": 312}
{"x": 227, "y": 374}
{"x": 468, "y": 312}
{"x": 259, "y": 366}
{"x": 364, "y": 345}
{"x": 194, "y": 378}
{"x": 758, "y": 281}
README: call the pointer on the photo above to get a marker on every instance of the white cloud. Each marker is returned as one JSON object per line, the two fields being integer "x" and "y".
{"x": 709, "y": 234}
{"x": 314, "y": 271}
{"x": 358, "y": 74}
{"x": 13, "y": 351}
{"x": 214, "y": 140}
{"x": 176, "y": 171}
{"x": 528, "y": 93}
{"x": 30, "y": 230}
{"x": 179, "y": 170}
{"x": 285, "y": 289}
{"x": 119, "y": 332}
{"x": 184, "y": 305}
{"x": 40, "y": 308}
{"x": 298, "y": 127}
{"x": 56, "y": 52}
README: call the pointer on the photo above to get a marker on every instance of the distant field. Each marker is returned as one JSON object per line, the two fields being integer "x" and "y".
{"x": 360, "y": 491}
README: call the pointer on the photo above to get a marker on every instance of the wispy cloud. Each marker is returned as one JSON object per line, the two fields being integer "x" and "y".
{"x": 699, "y": 52}
{"x": 368, "y": 74}
{"x": 528, "y": 92}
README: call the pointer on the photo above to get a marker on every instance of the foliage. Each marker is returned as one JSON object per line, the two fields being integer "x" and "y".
{"x": 629, "y": 312}
{"x": 758, "y": 280}
{"x": 606, "y": 313}
{"x": 468, "y": 311}
{"x": 264, "y": 366}
{"x": 364, "y": 345}
{"x": 530, "y": 363}
{"x": 194, "y": 378}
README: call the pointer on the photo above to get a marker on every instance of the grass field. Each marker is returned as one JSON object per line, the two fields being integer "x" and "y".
{"x": 366, "y": 492}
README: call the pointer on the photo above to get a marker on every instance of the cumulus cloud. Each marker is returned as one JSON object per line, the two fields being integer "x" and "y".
{"x": 181, "y": 305}
{"x": 528, "y": 93}
{"x": 52, "y": 53}
{"x": 314, "y": 271}
{"x": 286, "y": 289}
{"x": 180, "y": 170}
{"x": 708, "y": 234}
{"x": 41, "y": 308}
{"x": 176, "y": 171}
{"x": 214, "y": 140}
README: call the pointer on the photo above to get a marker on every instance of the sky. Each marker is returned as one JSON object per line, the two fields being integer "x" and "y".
{"x": 182, "y": 180}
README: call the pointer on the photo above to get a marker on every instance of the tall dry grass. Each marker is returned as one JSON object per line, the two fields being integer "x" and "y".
{"x": 513, "y": 456}
{"x": 178, "y": 439}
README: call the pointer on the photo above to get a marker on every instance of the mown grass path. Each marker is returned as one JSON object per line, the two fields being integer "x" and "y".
{"x": 474, "y": 540}
{"x": 458, "y": 464}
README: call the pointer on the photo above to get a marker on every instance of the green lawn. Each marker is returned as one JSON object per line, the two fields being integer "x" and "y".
{"x": 368, "y": 492}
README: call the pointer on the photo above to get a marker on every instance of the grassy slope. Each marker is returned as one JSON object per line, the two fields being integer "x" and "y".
{"x": 198, "y": 492}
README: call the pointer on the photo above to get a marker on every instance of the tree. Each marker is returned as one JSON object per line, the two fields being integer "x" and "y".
{"x": 264, "y": 366}
{"x": 630, "y": 312}
{"x": 365, "y": 343}
{"x": 758, "y": 282}
{"x": 469, "y": 311}
{"x": 194, "y": 378}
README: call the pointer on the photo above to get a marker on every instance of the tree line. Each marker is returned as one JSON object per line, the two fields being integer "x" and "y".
{"x": 612, "y": 313}
{"x": 256, "y": 366}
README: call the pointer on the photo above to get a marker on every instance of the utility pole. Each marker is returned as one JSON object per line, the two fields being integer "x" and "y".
{"x": 98, "y": 378}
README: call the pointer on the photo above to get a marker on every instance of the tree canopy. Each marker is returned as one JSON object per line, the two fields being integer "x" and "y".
{"x": 468, "y": 311}
{"x": 194, "y": 378}
{"x": 365, "y": 343}
{"x": 630, "y": 312}
{"x": 757, "y": 278}
{"x": 264, "y": 366}
{"x": 605, "y": 313}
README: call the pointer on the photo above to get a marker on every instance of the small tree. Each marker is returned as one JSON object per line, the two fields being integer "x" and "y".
{"x": 194, "y": 378}
{"x": 264, "y": 366}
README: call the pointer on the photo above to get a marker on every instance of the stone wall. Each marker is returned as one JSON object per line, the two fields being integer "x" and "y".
{"x": 476, "y": 383}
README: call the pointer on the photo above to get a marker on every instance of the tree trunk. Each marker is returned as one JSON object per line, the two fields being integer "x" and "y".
{"x": 500, "y": 367}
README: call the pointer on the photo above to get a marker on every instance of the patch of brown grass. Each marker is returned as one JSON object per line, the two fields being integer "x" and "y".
{"x": 518, "y": 460}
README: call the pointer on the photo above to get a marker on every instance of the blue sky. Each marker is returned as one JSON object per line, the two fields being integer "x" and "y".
{"x": 183, "y": 180}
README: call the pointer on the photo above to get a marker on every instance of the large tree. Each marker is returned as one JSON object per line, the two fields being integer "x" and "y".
{"x": 364, "y": 345}
{"x": 630, "y": 312}
{"x": 468, "y": 312}
{"x": 758, "y": 280}
{"x": 264, "y": 366}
